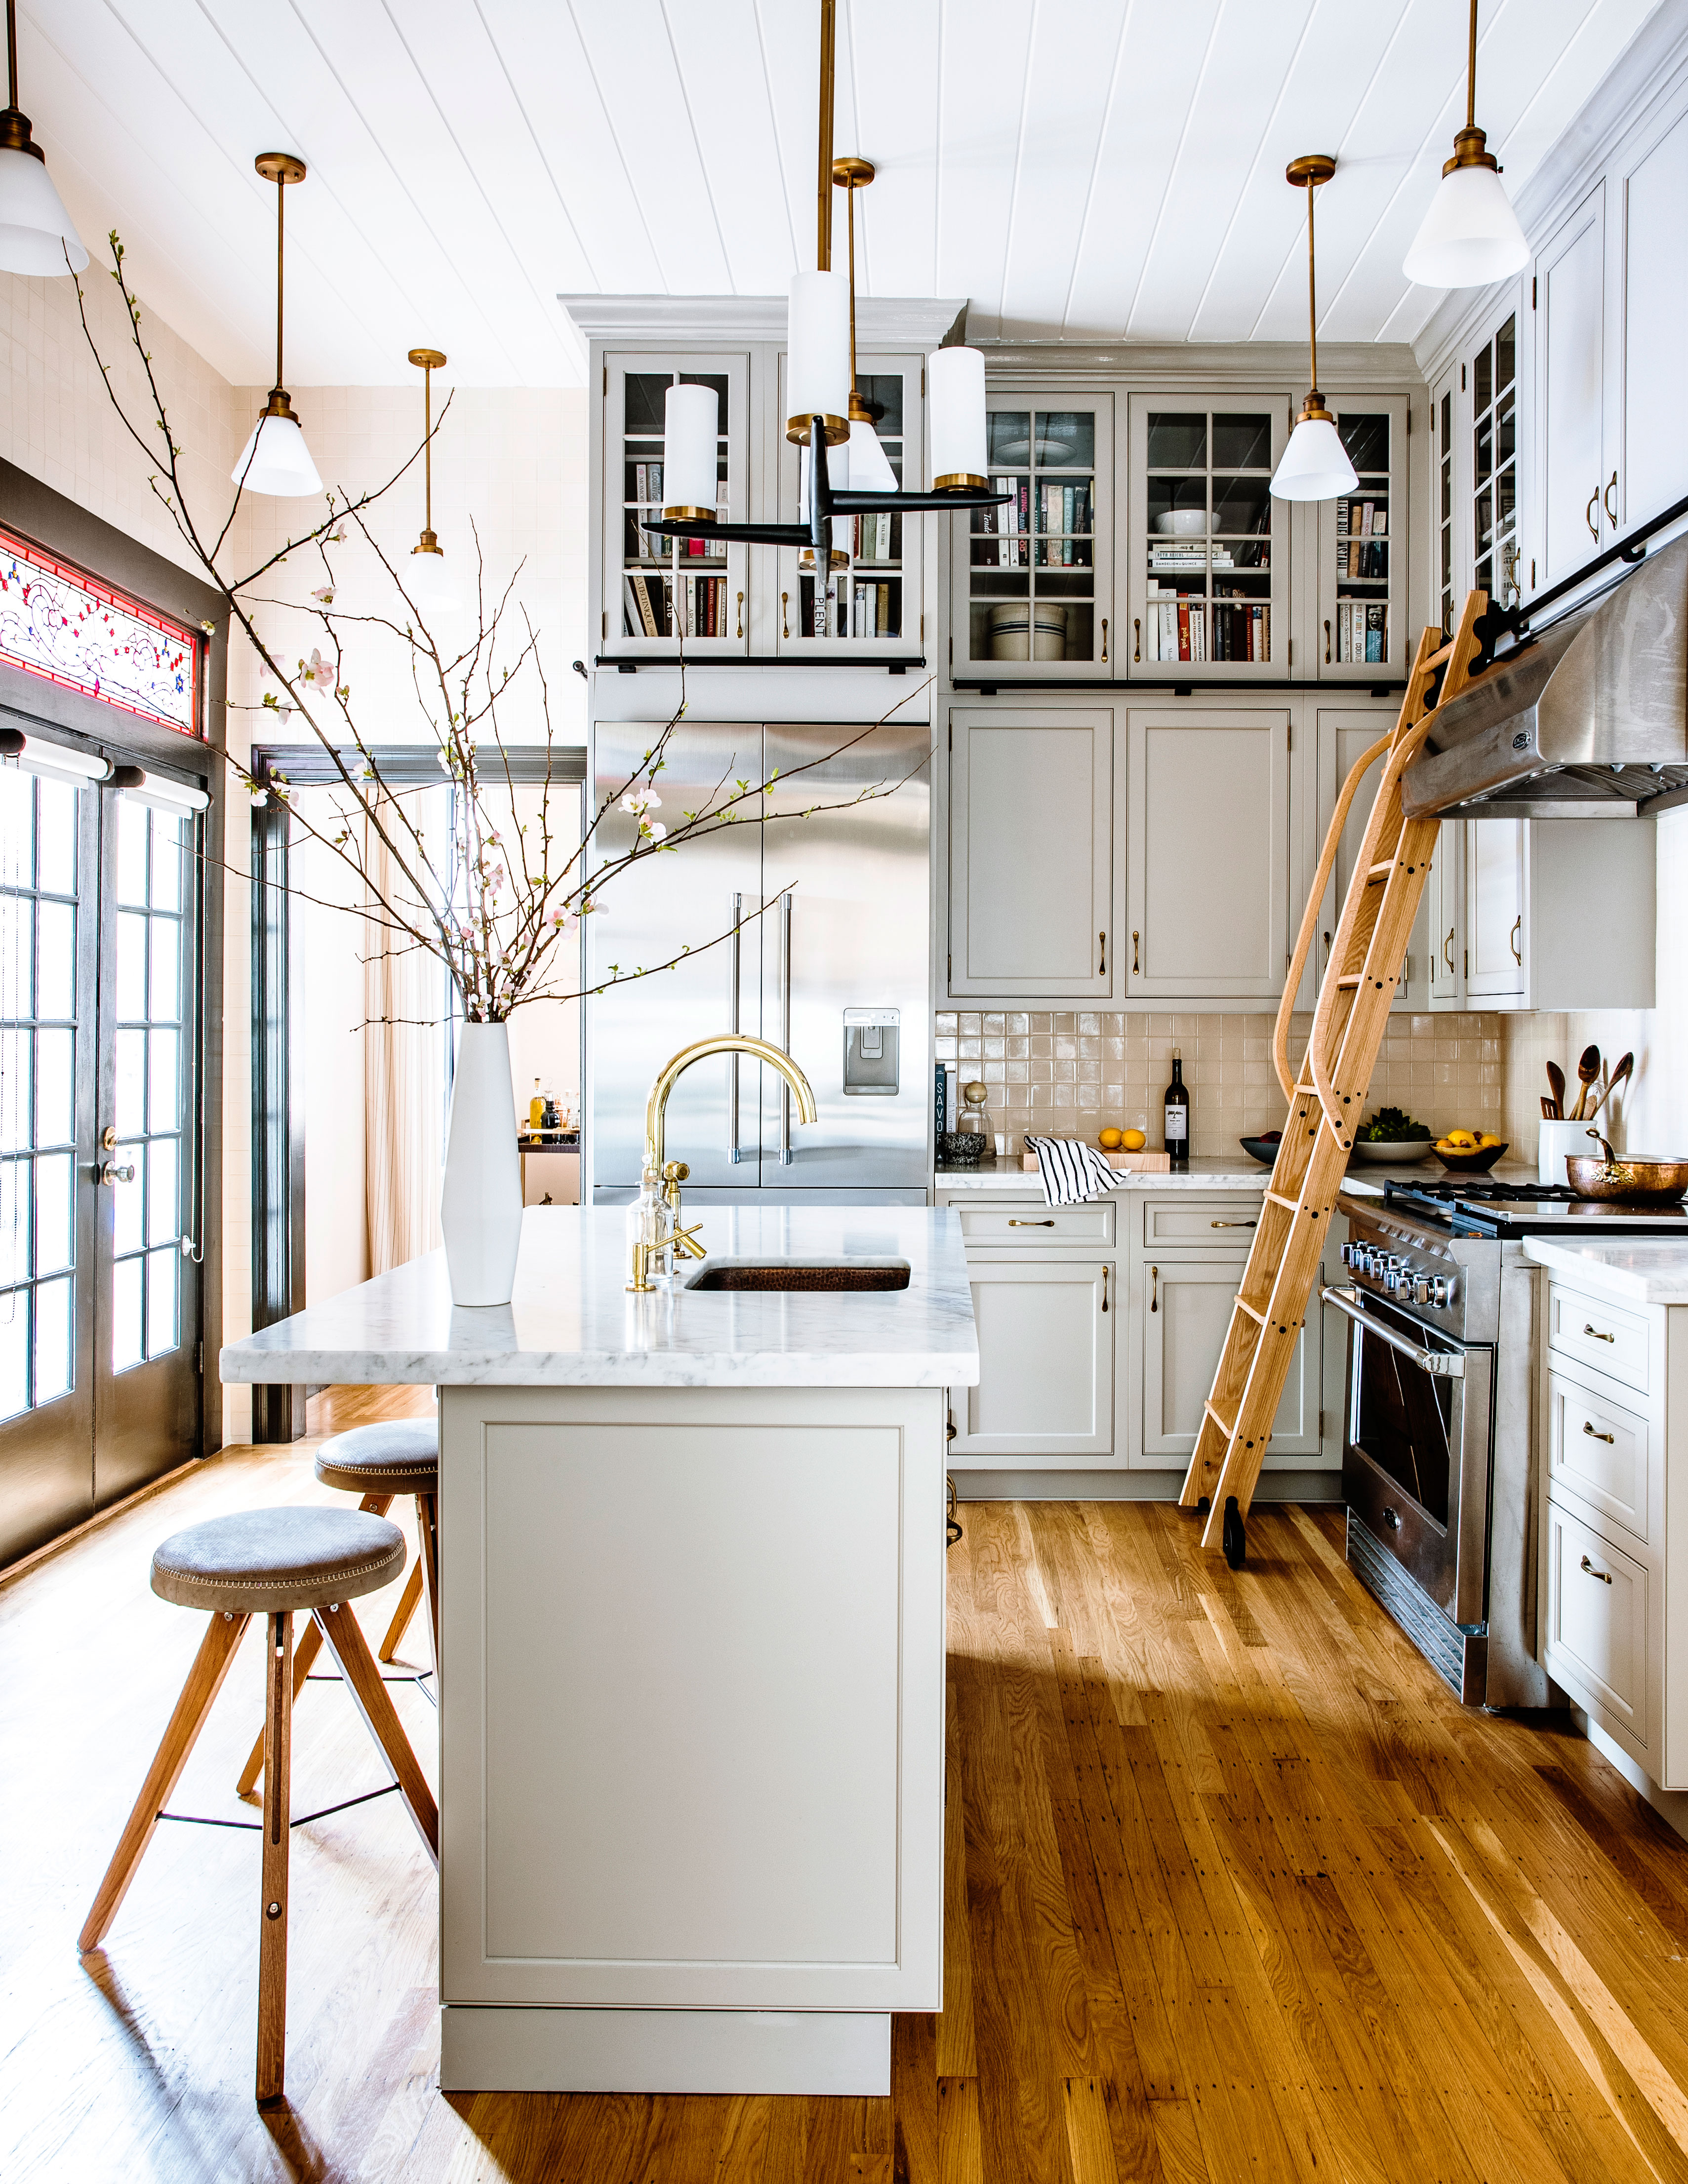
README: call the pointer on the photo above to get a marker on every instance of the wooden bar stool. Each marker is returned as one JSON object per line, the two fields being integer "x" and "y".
{"x": 275, "y": 1564}
{"x": 400, "y": 1456}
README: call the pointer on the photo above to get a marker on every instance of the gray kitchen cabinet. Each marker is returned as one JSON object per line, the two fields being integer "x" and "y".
{"x": 1181, "y": 1304}
{"x": 1543, "y": 914}
{"x": 1031, "y": 853}
{"x": 1570, "y": 307}
{"x": 1046, "y": 1396}
{"x": 1647, "y": 290}
{"x": 1495, "y": 882}
{"x": 1341, "y": 735}
{"x": 1207, "y": 878}
{"x": 1362, "y": 634}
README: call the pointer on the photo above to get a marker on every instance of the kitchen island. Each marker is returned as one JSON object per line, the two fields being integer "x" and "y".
{"x": 692, "y": 1643}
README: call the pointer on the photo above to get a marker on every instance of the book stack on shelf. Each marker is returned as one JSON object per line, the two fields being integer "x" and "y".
{"x": 1177, "y": 629}
{"x": 1361, "y": 632}
{"x": 669, "y": 587}
{"x": 1208, "y": 504}
{"x": 664, "y": 606}
{"x": 1031, "y": 562}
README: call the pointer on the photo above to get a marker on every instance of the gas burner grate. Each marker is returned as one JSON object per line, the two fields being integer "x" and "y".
{"x": 1479, "y": 1192}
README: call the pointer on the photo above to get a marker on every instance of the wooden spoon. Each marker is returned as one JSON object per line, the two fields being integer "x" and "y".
{"x": 1588, "y": 1068}
{"x": 1619, "y": 1075}
{"x": 1556, "y": 1078}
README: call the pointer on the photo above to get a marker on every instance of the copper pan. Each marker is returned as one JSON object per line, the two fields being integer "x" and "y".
{"x": 1641, "y": 1180}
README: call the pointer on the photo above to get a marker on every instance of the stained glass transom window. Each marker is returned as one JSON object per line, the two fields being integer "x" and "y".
{"x": 59, "y": 622}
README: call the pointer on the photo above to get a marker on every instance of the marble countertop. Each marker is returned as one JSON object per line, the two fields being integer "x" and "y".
{"x": 572, "y": 1322}
{"x": 1641, "y": 1273}
{"x": 1205, "y": 1172}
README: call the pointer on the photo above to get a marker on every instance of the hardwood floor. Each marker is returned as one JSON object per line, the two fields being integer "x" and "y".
{"x": 1234, "y": 1891}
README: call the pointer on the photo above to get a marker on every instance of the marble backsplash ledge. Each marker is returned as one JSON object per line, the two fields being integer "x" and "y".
{"x": 1070, "y": 1073}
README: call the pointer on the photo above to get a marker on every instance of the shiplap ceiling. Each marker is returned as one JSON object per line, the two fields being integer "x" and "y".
{"x": 1079, "y": 169}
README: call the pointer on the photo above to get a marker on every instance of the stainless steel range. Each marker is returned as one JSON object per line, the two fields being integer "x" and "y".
{"x": 1437, "y": 1466}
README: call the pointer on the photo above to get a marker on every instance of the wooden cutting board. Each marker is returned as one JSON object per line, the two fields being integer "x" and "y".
{"x": 1143, "y": 1163}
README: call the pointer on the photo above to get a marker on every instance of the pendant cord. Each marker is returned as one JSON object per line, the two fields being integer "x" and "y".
{"x": 280, "y": 261}
{"x": 427, "y": 448}
{"x": 823, "y": 207}
{"x": 12, "y": 52}
{"x": 1313, "y": 303}
{"x": 1471, "y": 74}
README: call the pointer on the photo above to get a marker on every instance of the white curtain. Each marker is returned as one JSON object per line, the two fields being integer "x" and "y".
{"x": 404, "y": 994}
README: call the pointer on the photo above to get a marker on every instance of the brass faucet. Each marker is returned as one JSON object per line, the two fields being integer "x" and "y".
{"x": 670, "y": 1174}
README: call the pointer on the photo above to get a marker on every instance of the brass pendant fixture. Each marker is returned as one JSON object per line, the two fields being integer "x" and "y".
{"x": 36, "y": 234}
{"x": 428, "y": 579}
{"x": 1314, "y": 465}
{"x": 1470, "y": 235}
{"x": 276, "y": 459}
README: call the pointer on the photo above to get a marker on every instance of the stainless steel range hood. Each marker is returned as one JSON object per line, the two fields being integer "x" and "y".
{"x": 1587, "y": 721}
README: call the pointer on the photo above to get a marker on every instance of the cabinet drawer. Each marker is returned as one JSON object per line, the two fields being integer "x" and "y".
{"x": 1228, "y": 1222}
{"x": 1029, "y": 1221}
{"x": 1598, "y": 1452}
{"x": 1597, "y": 1621}
{"x": 1595, "y": 1333}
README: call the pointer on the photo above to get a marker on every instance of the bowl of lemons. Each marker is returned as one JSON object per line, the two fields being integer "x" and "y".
{"x": 1469, "y": 1152}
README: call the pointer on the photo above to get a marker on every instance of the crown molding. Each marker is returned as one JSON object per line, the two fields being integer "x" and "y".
{"x": 881, "y": 321}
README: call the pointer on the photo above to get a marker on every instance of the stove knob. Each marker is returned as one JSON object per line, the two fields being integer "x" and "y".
{"x": 1442, "y": 1290}
{"x": 1421, "y": 1288}
{"x": 1348, "y": 1255}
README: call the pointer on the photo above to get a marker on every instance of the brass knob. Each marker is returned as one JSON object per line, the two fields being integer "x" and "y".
{"x": 675, "y": 1171}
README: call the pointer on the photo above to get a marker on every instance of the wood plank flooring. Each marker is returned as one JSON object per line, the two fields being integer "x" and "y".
{"x": 1234, "y": 1890}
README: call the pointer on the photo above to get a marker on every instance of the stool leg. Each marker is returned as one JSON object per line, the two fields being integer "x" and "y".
{"x": 350, "y": 1647}
{"x": 309, "y": 1647}
{"x": 428, "y": 1553}
{"x": 272, "y": 1928}
{"x": 204, "y": 1680}
{"x": 401, "y": 1614}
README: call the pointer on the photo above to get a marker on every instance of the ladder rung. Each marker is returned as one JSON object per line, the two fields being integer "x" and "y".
{"x": 1380, "y": 872}
{"x": 1223, "y": 1425}
{"x": 1351, "y": 979}
{"x": 1243, "y": 1306}
{"x": 1275, "y": 1198}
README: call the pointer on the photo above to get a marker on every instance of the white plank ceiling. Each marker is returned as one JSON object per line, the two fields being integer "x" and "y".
{"x": 1079, "y": 169}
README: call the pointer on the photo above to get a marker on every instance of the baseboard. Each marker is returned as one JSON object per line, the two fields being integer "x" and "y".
{"x": 1129, "y": 1485}
{"x": 514, "y": 2049}
{"x": 1670, "y": 1805}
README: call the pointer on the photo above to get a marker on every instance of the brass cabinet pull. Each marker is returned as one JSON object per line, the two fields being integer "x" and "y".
{"x": 1604, "y": 1576}
{"x": 1447, "y": 950}
{"x": 1136, "y": 965}
{"x": 1596, "y": 1334}
{"x": 1137, "y": 642}
{"x": 1030, "y": 1224}
{"x": 1593, "y": 1435}
{"x": 1105, "y": 636}
{"x": 1513, "y": 937}
{"x": 741, "y": 614}
{"x": 1154, "y": 1288}
{"x": 1327, "y": 644}
{"x": 1104, "y": 1289}
{"x": 784, "y": 598}
{"x": 1588, "y": 513}
{"x": 1102, "y": 947}
{"x": 1233, "y": 1224}
{"x": 1611, "y": 512}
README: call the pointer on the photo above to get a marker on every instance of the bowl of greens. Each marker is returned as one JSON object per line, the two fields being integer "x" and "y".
{"x": 1391, "y": 1135}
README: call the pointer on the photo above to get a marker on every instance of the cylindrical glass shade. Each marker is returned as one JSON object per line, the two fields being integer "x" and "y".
{"x": 870, "y": 467}
{"x": 817, "y": 354}
{"x": 692, "y": 426}
{"x": 426, "y": 576}
{"x": 1470, "y": 235}
{"x": 36, "y": 231}
{"x": 275, "y": 460}
{"x": 1314, "y": 465}
{"x": 956, "y": 385}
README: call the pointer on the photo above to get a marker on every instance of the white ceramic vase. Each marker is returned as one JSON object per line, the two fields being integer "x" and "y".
{"x": 481, "y": 1204}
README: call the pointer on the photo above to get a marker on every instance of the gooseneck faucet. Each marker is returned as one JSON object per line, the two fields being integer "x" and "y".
{"x": 660, "y": 1184}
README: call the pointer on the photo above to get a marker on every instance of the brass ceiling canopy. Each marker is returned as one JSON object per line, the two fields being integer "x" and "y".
{"x": 427, "y": 359}
{"x": 280, "y": 167}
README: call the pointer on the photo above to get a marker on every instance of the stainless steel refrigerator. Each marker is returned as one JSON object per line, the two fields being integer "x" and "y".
{"x": 830, "y": 961}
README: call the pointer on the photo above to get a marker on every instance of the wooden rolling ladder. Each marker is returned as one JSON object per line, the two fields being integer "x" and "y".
{"x": 1325, "y": 1096}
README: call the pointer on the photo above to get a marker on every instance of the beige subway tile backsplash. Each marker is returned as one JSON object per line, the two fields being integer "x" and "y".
{"x": 1069, "y": 1074}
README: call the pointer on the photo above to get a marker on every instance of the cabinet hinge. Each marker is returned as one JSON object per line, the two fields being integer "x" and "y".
{"x": 1532, "y": 291}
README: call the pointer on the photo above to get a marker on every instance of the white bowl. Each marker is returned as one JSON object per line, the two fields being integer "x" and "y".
{"x": 1402, "y": 1154}
{"x": 1182, "y": 522}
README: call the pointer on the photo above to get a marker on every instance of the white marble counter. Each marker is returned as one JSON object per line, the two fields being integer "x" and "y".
{"x": 1635, "y": 1274}
{"x": 1205, "y": 1172}
{"x": 572, "y": 1322}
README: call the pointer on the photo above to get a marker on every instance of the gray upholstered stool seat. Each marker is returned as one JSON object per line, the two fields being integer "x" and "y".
{"x": 260, "y": 1562}
{"x": 398, "y": 1457}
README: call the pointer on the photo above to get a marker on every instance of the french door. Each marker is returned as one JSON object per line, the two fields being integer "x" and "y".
{"x": 100, "y": 1232}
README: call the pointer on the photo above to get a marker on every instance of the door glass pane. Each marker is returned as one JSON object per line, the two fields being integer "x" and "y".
{"x": 17, "y": 826}
{"x": 1505, "y": 355}
{"x": 1177, "y": 441}
{"x": 164, "y": 1002}
{"x": 54, "y": 1181}
{"x": 126, "y": 1201}
{"x": 1482, "y": 380}
{"x": 54, "y": 1056}
{"x": 163, "y": 1268}
{"x": 15, "y": 1353}
{"x": 126, "y": 1314}
{"x": 1242, "y": 443}
{"x": 56, "y": 961}
{"x": 1011, "y": 436}
{"x": 167, "y": 861}
{"x": 131, "y": 851}
{"x": 164, "y": 1109}
{"x": 164, "y": 1212}
{"x": 17, "y": 957}
{"x": 131, "y": 1083}
{"x": 132, "y": 967}
{"x": 51, "y": 1339}
{"x": 15, "y": 1222}
{"x": 56, "y": 838}
{"x": 15, "y": 1089}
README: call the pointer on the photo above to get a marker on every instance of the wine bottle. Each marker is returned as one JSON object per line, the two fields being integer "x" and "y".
{"x": 536, "y": 1109}
{"x": 1178, "y": 1116}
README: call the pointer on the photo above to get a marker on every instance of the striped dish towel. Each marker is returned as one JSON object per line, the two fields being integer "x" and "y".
{"x": 1070, "y": 1170}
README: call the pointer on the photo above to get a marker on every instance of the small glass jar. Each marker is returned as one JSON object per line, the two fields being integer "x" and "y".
{"x": 647, "y": 1224}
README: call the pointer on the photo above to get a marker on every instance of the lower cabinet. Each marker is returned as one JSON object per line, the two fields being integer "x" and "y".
{"x": 1046, "y": 1396}
{"x": 1181, "y": 1307}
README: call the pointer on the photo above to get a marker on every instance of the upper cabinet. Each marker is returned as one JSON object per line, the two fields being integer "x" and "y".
{"x": 657, "y": 592}
{"x": 1362, "y": 634}
{"x": 1569, "y": 285}
{"x": 1207, "y": 559}
{"x": 1649, "y": 285}
{"x": 1034, "y": 578}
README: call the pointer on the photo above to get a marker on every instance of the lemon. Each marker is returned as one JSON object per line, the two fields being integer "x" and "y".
{"x": 1465, "y": 1139}
{"x": 1135, "y": 1141}
{"x": 1111, "y": 1140}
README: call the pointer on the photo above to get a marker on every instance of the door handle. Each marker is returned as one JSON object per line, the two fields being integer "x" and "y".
{"x": 1327, "y": 644}
{"x": 1596, "y": 1334}
{"x": 1102, "y": 947}
{"x": 1605, "y": 1576}
{"x": 1611, "y": 512}
{"x": 1136, "y": 966}
{"x": 1447, "y": 951}
{"x": 1137, "y": 642}
{"x": 741, "y": 614}
{"x": 1593, "y": 1435}
{"x": 784, "y": 601}
{"x": 1104, "y": 1288}
{"x": 1514, "y": 936}
{"x": 1588, "y": 514}
{"x": 785, "y": 1024}
{"x": 1154, "y": 1288}
{"x": 112, "y": 1173}
{"x": 733, "y": 1152}
{"x": 1327, "y": 951}
{"x": 1233, "y": 1224}
{"x": 1031, "y": 1224}
{"x": 1442, "y": 1364}
{"x": 1105, "y": 636}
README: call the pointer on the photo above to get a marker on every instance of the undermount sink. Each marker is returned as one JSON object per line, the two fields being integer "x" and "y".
{"x": 832, "y": 1274}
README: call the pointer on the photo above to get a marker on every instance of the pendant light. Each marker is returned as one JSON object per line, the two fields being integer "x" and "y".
{"x": 818, "y": 372}
{"x": 1314, "y": 465}
{"x": 276, "y": 459}
{"x": 36, "y": 234}
{"x": 870, "y": 467}
{"x": 428, "y": 579}
{"x": 1470, "y": 235}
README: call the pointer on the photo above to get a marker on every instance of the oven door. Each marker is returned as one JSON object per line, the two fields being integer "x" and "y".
{"x": 1416, "y": 1449}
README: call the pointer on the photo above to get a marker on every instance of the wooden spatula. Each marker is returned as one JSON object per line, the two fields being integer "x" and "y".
{"x": 1619, "y": 1075}
{"x": 1556, "y": 1079}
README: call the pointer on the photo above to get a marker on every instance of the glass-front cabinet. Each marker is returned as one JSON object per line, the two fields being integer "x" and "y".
{"x": 1361, "y": 635}
{"x": 659, "y": 594}
{"x": 1208, "y": 559}
{"x": 1494, "y": 530}
{"x": 1034, "y": 578}
{"x": 869, "y": 601}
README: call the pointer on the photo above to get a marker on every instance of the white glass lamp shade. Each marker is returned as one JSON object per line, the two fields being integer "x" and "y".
{"x": 1470, "y": 235}
{"x": 956, "y": 397}
{"x": 1314, "y": 465}
{"x": 817, "y": 354}
{"x": 426, "y": 576}
{"x": 691, "y": 424}
{"x": 870, "y": 466}
{"x": 276, "y": 459}
{"x": 35, "y": 232}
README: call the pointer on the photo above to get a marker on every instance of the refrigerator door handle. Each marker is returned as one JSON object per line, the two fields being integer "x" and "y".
{"x": 785, "y": 1024}
{"x": 734, "y": 1152}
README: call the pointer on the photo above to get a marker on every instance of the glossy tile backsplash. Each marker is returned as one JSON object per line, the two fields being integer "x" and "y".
{"x": 1070, "y": 1073}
